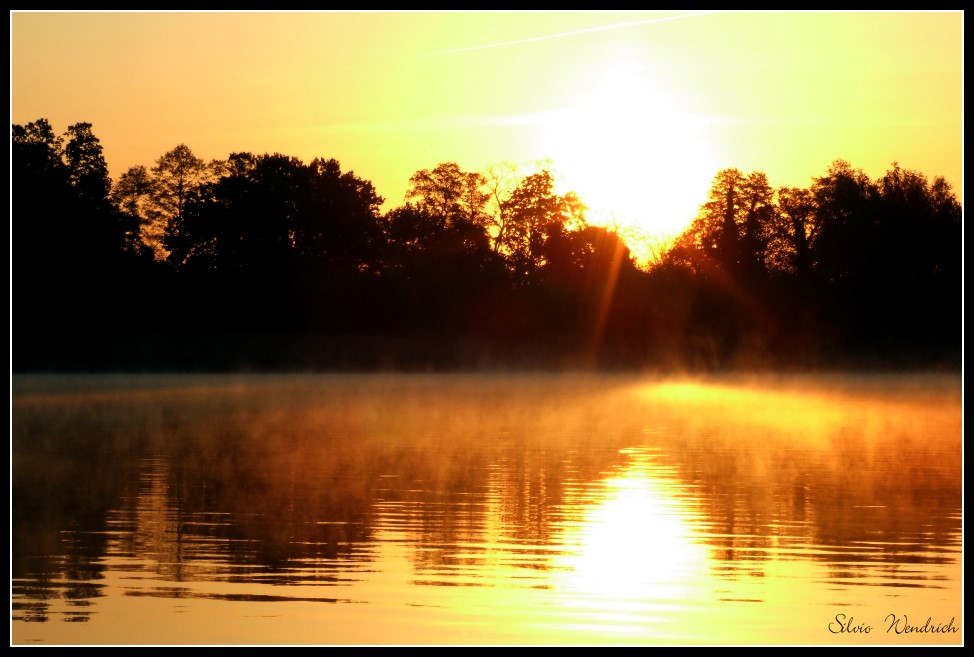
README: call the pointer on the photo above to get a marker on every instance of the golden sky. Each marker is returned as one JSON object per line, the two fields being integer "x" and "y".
{"x": 636, "y": 110}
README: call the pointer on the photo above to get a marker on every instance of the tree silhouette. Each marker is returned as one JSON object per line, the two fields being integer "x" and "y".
{"x": 132, "y": 194}
{"x": 87, "y": 170}
{"x": 451, "y": 194}
{"x": 175, "y": 177}
{"x": 270, "y": 212}
{"x": 918, "y": 222}
{"x": 72, "y": 264}
{"x": 734, "y": 227}
{"x": 845, "y": 252}
{"x": 443, "y": 222}
{"x": 797, "y": 230}
{"x": 532, "y": 214}
{"x": 41, "y": 180}
{"x": 239, "y": 222}
{"x": 64, "y": 219}
{"x": 341, "y": 227}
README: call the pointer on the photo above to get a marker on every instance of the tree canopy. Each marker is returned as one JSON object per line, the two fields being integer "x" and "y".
{"x": 477, "y": 268}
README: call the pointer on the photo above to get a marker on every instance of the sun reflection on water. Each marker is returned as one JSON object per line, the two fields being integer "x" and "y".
{"x": 636, "y": 556}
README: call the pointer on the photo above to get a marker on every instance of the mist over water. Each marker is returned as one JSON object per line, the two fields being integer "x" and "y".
{"x": 486, "y": 509}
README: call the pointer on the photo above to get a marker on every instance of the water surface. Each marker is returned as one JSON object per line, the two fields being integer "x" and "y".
{"x": 449, "y": 509}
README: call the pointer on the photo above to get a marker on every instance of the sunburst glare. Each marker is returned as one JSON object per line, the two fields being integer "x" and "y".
{"x": 632, "y": 153}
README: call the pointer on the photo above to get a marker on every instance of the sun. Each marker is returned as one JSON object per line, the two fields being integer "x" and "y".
{"x": 631, "y": 153}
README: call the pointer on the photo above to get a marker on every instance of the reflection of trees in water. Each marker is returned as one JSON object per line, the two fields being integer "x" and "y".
{"x": 275, "y": 490}
{"x": 278, "y": 482}
{"x": 480, "y": 470}
{"x": 856, "y": 499}
{"x": 500, "y": 509}
{"x": 528, "y": 485}
{"x": 288, "y": 480}
{"x": 892, "y": 510}
{"x": 195, "y": 484}
{"x": 66, "y": 473}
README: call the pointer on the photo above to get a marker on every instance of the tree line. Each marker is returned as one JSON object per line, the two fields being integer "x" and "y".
{"x": 264, "y": 261}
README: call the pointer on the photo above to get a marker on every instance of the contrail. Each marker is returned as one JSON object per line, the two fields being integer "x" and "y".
{"x": 587, "y": 30}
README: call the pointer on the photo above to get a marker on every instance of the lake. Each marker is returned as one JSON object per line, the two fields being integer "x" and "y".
{"x": 494, "y": 509}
